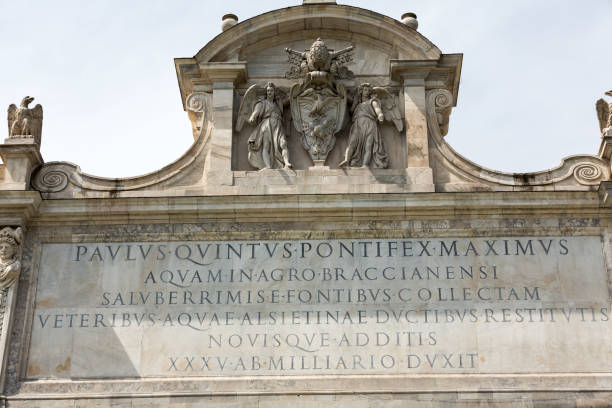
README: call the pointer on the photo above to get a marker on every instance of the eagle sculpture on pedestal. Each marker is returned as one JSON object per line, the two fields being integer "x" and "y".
{"x": 25, "y": 122}
{"x": 604, "y": 114}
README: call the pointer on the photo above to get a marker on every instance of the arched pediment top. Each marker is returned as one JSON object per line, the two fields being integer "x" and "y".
{"x": 354, "y": 23}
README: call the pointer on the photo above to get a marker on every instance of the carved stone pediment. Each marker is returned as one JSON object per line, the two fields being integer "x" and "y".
{"x": 333, "y": 50}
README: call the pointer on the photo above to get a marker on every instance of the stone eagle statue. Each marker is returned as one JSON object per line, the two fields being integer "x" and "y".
{"x": 25, "y": 122}
{"x": 604, "y": 114}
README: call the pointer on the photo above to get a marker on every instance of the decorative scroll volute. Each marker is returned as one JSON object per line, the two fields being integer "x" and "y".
{"x": 441, "y": 100}
{"x": 589, "y": 174}
{"x": 199, "y": 105}
{"x": 50, "y": 178}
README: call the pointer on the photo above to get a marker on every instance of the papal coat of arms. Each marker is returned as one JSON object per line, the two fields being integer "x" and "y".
{"x": 318, "y": 103}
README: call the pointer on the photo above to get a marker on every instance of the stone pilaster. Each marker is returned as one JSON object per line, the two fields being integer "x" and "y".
{"x": 412, "y": 76}
{"x": 417, "y": 147}
{"x": 8, "y": 297}
{"x": 21, "y": 155}
{"x": 11, "y": 240}
{"x": 223, "y": 77}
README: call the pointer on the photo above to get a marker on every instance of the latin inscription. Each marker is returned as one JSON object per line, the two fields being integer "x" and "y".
{"x": 337, "y": 306}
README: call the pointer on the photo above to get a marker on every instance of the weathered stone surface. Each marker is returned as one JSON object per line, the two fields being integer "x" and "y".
{"x": 330, "y": 307}
{"x": 427, "y": 282}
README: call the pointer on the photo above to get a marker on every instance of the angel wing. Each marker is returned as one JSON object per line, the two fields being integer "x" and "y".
{"x": 36, "y": 127}
{"x": 603, "y": 113}
{"x": 389, "y": 107}
{"x": 281, "y": 97}
{"x": 295, "y": 60}
{"x": 246, "y": 106}
{"x": 12, "y": 109}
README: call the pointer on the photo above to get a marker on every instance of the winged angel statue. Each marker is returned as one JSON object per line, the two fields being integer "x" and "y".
{"x": 371, "y": 105}
{"x": 25, "y": 122}
{"x": 604, "y": 114}
{"x": 267, "y": 143}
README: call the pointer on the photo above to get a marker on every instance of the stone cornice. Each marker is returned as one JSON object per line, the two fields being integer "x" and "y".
{"x": 317, "y": 207}
{"x": 17, "y": 207}
{"x": 223, "y": 71}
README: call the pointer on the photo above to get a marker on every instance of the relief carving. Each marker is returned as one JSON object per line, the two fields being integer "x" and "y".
{"x": 318, "y": 103}
{"x": 49, "y": 179}
{"x": 371, "y": 106}
{"x": 25, "y": 122}
{"x": 588, "y": 174}
{"x": 198, "y": 105}
{"x": 441, "y": 100}
{"x": 10, "y": 244}
{"x": 267, "y": 144}
{"x": 10, "y": 266}
{"x": 319, "y": 59}
{"x": 604, "y": 114}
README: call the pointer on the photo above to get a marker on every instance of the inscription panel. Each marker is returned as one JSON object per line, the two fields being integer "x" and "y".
{"x": 227, "y": 308}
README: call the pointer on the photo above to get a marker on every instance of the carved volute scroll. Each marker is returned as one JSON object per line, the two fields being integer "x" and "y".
{"x": 441, "y": 100}
{"x": 199, "y": 107}
{"x": 25, "y": 122}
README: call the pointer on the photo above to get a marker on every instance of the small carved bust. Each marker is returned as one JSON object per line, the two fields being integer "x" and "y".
{"x": 10, "y": 244}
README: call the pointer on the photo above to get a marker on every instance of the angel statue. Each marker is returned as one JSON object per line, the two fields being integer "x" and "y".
{"x": 25, "y": 122}
{"x": 604, "y": 114}
{"x": 267, "y": 143}
{"x": 10, "y": 242}
{"x": 366, "y": 148}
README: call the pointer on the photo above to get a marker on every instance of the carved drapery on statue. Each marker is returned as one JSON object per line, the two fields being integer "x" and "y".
{"x": 371, "y": 105}
{"x": 25, "y": 122}
{"x": 604, "y": 114}
{"x": 268, "y": 143}
{"x": 318, "y": 111}
{"x": 318, "y": 103}
{"x": 10, "y": 266}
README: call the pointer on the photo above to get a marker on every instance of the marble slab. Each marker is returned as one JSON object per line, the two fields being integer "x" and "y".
{"x": 350, "y": 306}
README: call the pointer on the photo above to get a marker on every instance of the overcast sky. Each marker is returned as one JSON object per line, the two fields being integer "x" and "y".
{"x": 103, "y": 71}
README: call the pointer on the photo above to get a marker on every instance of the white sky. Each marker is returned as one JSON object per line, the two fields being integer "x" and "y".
{"x": 103, "y": 71}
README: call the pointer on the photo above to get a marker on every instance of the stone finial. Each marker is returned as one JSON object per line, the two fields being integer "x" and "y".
{"x": 228, "y": 21}
{"x": 25, "y": 122}
{"x": 410, "y": 19}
